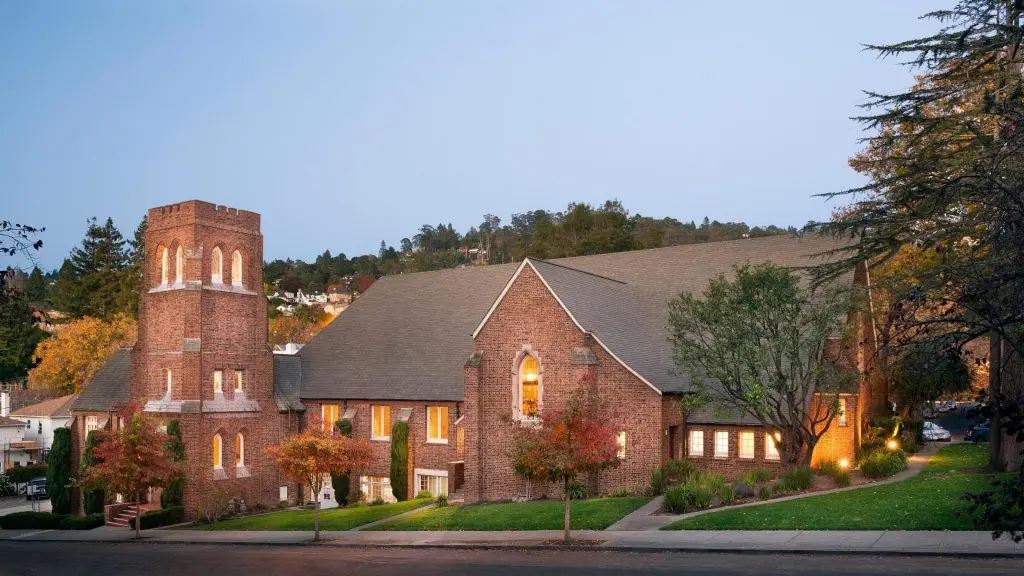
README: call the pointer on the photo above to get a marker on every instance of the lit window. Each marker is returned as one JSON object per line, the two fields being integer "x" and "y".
{"x": 179, "y": 265}
{"x": 721, "y": 444}
{"x": 620, "y": 439}
{"x": 216, "y": 266}
{"x": 436, "y": 484}
{"x": 437, "y": 424}
{"x": 239, "y": 450}
{"x": 697, "y": 443}
{"x": 218, "y": 382}
{"x": 169, "y": 377}
{"x": 91, "y": 423}
{"x": 236, "y": 268}
{"x": 329, "y": 414}
{"x": 460, "y": 441}
{"x": 375, "y": 487}
{"x": 381, "y": 422}
{"x": 529, "y": 387}
{"x": 164, "y": 257}
{"x": 771, "y": 449}
{"x": 238, "y": 380}
{"x": 747, "y": 445}
{"x": 842, "y": 412}
{"x": 217, "y": 452}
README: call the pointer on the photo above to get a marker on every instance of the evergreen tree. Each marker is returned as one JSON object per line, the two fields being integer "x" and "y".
{"x": 174, "y": 493}
{"x": 19, "y": 335}
{"x": 400, "y": 461}
{"x": 99, "y": 263}
{"x": 341, "y": 482}
{"x": 67, "y": 291}
{"x": 35, "y": 289}
{"x": 58, "y": 471}
{"x": 132, "y": 276}
{"x": 92, "y": 500}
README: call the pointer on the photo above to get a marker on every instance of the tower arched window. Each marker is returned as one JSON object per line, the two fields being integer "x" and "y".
{"x": 218, "y": 452}
{"x": 239, "y": 450}
{"x": 529, "y": 389}
{"x": 216, "y": 266}
{"x": 179, "y": 265}
{"x": 236, "y": 268}
{"x": 164, "y": 261}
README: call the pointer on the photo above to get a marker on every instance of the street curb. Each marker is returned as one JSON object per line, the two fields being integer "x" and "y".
{"x": 563, "y": 548}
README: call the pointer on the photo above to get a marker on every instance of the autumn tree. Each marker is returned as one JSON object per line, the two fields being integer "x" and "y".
{"x": 132, "y": 460}
{"x": 309, "y": 458}
{"x": 566, "y": 443}
{"x": 72, "y": 357}
{"x": 755, "y": 345}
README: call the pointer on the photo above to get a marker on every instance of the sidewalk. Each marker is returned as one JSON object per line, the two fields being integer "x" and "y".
{"x": 793, "y": 541}
{"x": 643, "y": 518}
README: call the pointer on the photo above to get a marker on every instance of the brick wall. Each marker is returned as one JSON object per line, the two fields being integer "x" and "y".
{"x": 840, "y": 442}
{"x": 731, "y": 466}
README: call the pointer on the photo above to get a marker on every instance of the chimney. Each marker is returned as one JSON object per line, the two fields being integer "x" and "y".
{"x": 5, "y": 403}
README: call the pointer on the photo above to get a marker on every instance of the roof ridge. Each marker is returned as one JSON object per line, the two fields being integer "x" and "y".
{"x": 617, "y": 281}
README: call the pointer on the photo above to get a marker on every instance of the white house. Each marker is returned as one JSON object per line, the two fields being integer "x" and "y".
{"x": 40, "y": 420}
{"x": 12, "y": 443}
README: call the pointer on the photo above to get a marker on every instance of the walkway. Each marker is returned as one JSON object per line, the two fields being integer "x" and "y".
{"x": 845, "y": 542}
{"x": 644, "y": 518}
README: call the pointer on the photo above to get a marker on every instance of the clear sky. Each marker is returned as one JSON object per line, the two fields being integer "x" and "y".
{"x": 345, "y": 123}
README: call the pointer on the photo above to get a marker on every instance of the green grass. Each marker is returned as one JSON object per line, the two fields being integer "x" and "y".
{"x": 594, "y": 514}
{"x": 928, "y": 501}
{"x": 333, "y": 519}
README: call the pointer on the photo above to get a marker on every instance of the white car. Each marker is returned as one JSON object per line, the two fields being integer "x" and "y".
{"x": 935, "y": 433}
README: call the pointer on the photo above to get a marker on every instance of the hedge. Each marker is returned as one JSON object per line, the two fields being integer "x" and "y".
{"x": 23, "y": 474}
{"x": 87, "y": 522}
{"x": 162, "y": 517}
{"x": 27, "y": 520}
{"x": 400, "y": 461}
{"x": 58, "y": 471}
{"x": 340, "y": 482}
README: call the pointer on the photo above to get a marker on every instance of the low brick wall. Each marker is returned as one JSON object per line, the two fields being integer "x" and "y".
{"x": 110, "y": 511}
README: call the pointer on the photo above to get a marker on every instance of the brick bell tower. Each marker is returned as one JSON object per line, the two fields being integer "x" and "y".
{"x": 202, "y": 356}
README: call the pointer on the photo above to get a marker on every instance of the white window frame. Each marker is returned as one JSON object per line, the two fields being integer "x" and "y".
{"x": 718, "y": 436}
{"x": 366, "y": 483}
{"x": 696, "y": 444}
{"x": 620, "y": 440}
{"x": 746, "y": 434}
{"x": 218, "y": 381}
{"x": 436, "y": 438}
{"x": 91, "y": 423}
{"x": 373, "y": 422}
{"x": 842, "y": 422}
{"x": 771, "y": 449}
{"x": 420, "y": 473}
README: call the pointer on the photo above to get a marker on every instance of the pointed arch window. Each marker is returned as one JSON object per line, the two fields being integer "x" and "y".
{"x": 179, "y": 265}
{"x": 529, "y": 387}
{"x": 218, "y": 452}
{"x": 239, "y": 450}
{"x": 236, "y": 268}
{"x": 164, "y": 262}
{"x": 216, "y": 266}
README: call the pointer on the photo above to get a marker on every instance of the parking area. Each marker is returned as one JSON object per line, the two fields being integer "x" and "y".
{"x": 19, "y": 504}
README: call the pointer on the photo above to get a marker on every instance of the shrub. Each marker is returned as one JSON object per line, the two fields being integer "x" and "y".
{"x": 23, "y": 474}
{"x": 620, "y": 493}
{"x": 162, "y": 517}
{"x": 424, "y": 494}
{"x": 756, "y": 476}
{"x": 442, "y": 501}
{"x": 842, "y": 478}
{"x": 58, "y": 471}
{"x": 658, "y": 483}
{"x": 883, "y": 463}
{"x": 87, "y": 522}
{"x": 577, "y": 491}
{"x": 376, "y": 502}
{"x": 30, "y": 520}
{"x": 92, "y": 500}
{"x": 213, "y": 504}
{"x": 174, "y": 493}
{"x": 828, "y": 468}
{"x": 7, "y": 488}
{"x": 677, "y": 499}
{"x": 911, "y": 445}
{"x": 796, "y": 479}
{"x": 677, "y": 471}
{"x": 400, "y": 460}
{"x": 764, "y": 492}
{"x": 703, "y": 487}
{"x": 341, "y": 482}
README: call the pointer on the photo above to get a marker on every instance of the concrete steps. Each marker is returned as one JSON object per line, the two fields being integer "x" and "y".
{"x": 121, "y": 520}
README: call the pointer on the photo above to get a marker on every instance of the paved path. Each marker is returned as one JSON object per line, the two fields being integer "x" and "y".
{"x": 390, "y": 518}
{"x": 873, "y": 542}
{"x": 644, "y": 518}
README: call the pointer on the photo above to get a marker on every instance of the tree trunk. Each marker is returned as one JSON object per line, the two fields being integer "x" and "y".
{"x": 995, "y": 378}
{"x": 567, "y": 506}
{"x": 138, "y": 516}
{"x": 316, "y": 519}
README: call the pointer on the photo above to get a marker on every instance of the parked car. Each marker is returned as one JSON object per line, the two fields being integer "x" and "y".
{"x": 935, "y": 433}
{"x": 946, "y": 406}
{"x": 978, "y": 432}
{"x": 930, "y": 412}
{"x": 36, "y": 489}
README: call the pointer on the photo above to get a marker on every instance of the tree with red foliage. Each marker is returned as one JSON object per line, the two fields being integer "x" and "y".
{"x": 566, "y": 443}
{"x": 132, "y": 459}
{"x": 310, "y": 457}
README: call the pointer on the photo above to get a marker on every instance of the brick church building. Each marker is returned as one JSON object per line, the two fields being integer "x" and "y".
{"x": 458, "y": 354}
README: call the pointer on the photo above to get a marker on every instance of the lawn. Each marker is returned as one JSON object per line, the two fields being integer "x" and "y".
{"x": 594, "y": 514}
{"x": 333, "y": 519}
{"x": 928, "y": 501}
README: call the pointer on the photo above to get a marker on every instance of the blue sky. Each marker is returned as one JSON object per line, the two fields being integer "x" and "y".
{"x": 346, "y": 123}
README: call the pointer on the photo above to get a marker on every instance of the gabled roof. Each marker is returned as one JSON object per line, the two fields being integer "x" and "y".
{"x": 54, "y": 408}
{"x": 6, "y": 422}
{"x": 110, "y": 386}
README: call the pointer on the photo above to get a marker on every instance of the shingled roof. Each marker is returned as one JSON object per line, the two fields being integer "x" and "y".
{"x": 52, "y": 408}
{"x": 109, "y": 387}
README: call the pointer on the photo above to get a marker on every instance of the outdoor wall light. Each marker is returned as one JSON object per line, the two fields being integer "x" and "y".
{"x": 844, "y": 463}
{"x": 892, "y": 444}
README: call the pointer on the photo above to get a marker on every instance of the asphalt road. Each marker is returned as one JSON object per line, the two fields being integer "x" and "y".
{"x": 25, "y": 558}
